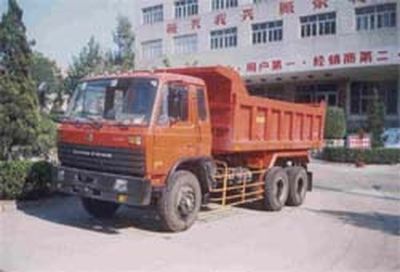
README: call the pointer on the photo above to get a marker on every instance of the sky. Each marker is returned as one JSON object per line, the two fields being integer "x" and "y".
{"x": 62, "y": 27}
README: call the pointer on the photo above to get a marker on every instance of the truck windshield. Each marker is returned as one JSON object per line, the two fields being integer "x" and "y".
{"x": 122, "y": 100}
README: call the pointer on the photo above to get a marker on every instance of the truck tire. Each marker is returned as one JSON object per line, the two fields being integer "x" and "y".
{"x": 99, "y": 208}
{"x": 298, "y": 182}
{"x": 276, "y": 189}
{"x": 180, "y": 202}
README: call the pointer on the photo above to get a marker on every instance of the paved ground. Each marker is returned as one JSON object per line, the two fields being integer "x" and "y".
{"x": 351, "y": 222}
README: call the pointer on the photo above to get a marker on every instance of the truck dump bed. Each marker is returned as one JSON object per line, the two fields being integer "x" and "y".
{"x": 244, "y": 123}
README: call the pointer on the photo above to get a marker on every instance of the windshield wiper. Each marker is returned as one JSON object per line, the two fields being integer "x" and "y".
{"x": 96, "y": 122}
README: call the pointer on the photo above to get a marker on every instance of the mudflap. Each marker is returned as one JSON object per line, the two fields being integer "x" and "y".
{"x": 310, "y": 181}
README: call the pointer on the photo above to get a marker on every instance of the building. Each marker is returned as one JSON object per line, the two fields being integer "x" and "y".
{"x": 339, "y": 51}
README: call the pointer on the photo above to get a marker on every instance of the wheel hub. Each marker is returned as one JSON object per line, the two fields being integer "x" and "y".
{"x": 186, "y": 202}
{"x": 279, "y": 190}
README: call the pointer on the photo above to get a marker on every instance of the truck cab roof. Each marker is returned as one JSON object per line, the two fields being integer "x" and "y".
{"x": 162, "y": 75}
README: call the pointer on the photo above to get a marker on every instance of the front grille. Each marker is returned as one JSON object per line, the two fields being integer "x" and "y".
{"x": 104, "y": 159}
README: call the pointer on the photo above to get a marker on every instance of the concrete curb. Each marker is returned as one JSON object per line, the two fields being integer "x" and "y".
{"x": 13, "y": 205}
{"x": 7, "y": 205}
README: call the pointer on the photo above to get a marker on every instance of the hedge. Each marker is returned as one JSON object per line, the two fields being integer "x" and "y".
{"x": 369, "y": 156}
{"x": 24, "y": 180}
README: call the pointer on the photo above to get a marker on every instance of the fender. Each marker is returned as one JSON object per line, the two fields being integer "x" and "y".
{"x": 202, "y": 164}
{"x": 302, "y": 155}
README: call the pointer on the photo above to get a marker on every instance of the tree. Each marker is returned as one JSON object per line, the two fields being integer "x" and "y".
{"x": 19, "y": 116}
{"x": 109, "y": 62}
{"x": 47, "y": 78}
{"x": 124, "y": 39}
{"x": 15, "y": 51}
{"x": 335, "y": 123}
{"x": 90, "y": 60}
{"x": 376, "y": 119}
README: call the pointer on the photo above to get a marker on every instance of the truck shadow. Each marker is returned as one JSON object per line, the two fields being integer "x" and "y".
{"x": 386, "y": 223}
{"x": 253, "y": 206}
{"x": 67, "y": 210}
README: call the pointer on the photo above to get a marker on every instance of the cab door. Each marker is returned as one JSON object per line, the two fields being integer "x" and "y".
{"x": 175, "y": 132}
{"x": 202, "y": 121}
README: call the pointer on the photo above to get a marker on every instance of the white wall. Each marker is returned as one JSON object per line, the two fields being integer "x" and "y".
{"x": 293, "y": 48}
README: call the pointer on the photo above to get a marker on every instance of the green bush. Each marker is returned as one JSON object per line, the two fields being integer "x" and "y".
{"x": 39, "y": 180}
{"x": 369, "y": 156}
{"x": 376, "y": 119}
{"x": 24, "y": 180}
{"x": 44, "y": 143}
{"x": 12, "y": 178}
{"x": 46, "y": 137}
{"x": 335, "y": 123}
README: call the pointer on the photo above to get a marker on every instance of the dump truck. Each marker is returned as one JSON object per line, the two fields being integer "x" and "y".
{"x": 181, "y": 138}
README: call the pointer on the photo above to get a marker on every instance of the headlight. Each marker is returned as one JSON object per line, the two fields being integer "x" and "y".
{"x": 135, "y": 140}
{"x": 121, "y": 185}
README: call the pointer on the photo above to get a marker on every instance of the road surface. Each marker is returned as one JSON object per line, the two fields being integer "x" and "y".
{"x": 350, "y": 222}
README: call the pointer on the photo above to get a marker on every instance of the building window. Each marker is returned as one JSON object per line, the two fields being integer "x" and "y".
{"x": 273, "y": 91}
{"x": 223, "y": 4}
{"x": 267, "y": 32}
{"x": 153, "y": 14}
{"x": 186, "y": 8}
{"x": 224, "y": 38}
{"x": 318, "y": 25}
{"x": 185, "y": 44}
{"x": 376, "y": 17}
{"x": 317, "y": 93}
{"x": 362, "y": 93}
{"x": 152, "y": 49}
{"x": 391, "y": 95}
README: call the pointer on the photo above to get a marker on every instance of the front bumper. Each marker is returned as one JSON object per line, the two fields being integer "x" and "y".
{"x": 102, "y": 186}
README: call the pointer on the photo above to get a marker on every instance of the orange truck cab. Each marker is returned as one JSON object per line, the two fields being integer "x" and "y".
{"x": 180, "y": 138}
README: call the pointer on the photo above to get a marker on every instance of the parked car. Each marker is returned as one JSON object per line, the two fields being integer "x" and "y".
{"x": 391, "y": 137}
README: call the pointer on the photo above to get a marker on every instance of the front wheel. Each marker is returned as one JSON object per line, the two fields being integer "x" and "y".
{"x": 99, "y": 208}
{"x": 180, "y": 202}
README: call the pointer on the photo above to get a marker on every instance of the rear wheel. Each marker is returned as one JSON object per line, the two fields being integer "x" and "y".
{"x": 99, "y": 208}
{"x": 276, "y": 189}
{"x": 180, "y": 202}
{"x": 298, "y": 182}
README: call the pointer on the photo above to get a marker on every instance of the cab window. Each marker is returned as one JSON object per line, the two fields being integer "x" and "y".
{"x": 174, "y": 106}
